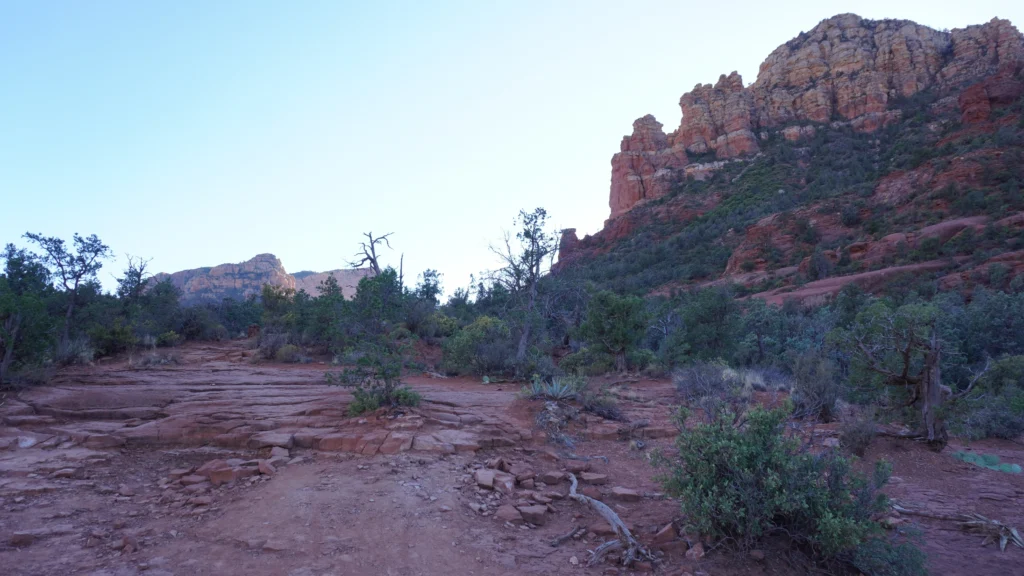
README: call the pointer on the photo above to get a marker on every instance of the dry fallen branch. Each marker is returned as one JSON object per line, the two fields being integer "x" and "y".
{"x": 993, "y": 530}
{"x": 568, "y": 535}
{"x": 634, "y": 550}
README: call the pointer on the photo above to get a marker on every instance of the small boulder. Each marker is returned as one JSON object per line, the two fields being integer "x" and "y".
{"x": 504, "y": 482}
{"x": 696, "y": 552}
{"x": 593, "y": 479}
{"x": 484, "y": 478}
{"x": 534, "y": 514}
{"x": 508, "y": 513}
{"x": 279, "y": 452}
{"x": 577, "y": 466}
{"x": 625, "y": 494}
{"x": 666, "y": 534}
{"x": 266, "y": 468}
{"x": 552, "y": 477}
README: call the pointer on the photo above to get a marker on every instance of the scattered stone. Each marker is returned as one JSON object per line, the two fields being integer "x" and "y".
{"x": 577, "y": 466}
{"x": 594, "y": 479}
{"x": 296, "y": 460}
{"x": 534, "y": 514}
{"x": 509, "y": 513}
{"x": 484, "y": 478}
{"x": 266, "y": 468}
{"x": 65, "y": 473}
{"x": 552, "y": 477}
{"x": 192, "y": 479}
{"x": 696, "y": 552}
{"x": 666, "y": 534}
{"x": 279, "y": 452}
{"x": 179, "y": 472}
{"x": 625, "y": 494}
{"x": 504, "y": 482}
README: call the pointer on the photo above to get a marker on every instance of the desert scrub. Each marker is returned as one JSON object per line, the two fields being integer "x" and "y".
{"x": 289, "y": 353}
{"x": 376, "y": 379}
{"x": 741, "y": 479}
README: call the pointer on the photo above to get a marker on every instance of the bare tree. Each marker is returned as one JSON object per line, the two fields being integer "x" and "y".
{"x": 72, "y": 267}
{"x": 524, "y": 265}
{"x": 368, "y": 252}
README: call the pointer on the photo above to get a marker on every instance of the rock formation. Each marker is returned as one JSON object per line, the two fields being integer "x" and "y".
{"x": 846, "y": 69}
{"x": 239, "y": 281}
{"x": 348, "y": 279}
{"x": 645, "y": 167}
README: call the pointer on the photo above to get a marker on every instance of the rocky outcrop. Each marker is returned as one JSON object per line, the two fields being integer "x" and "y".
{"x": 239, "y": 281}
{"x": 348, "y": 280}
{"x": 646, "y": 166}
{"x": 846, "y": 69}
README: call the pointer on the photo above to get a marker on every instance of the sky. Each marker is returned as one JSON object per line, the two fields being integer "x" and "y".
{"x": 195, "y": 133}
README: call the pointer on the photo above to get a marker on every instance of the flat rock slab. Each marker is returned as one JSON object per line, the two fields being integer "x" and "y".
{"x": 268, "y": 439}
{"x": 534, "y": 514}
{"x": 625, "y": 494}
{"x": 594, "y": 479}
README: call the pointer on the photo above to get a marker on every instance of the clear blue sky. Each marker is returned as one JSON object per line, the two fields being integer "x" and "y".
{"x": 197, "y": 133}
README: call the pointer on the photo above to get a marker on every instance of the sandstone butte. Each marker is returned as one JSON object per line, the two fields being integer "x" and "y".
{"x": 202, "y": 285}
{"x": 847, "y": 69}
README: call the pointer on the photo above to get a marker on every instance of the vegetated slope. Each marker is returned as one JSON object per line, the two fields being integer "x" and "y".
{"x": 865, "y": 152}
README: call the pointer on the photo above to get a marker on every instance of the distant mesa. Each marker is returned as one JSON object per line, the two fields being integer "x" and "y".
{"x": 239, "y": 281}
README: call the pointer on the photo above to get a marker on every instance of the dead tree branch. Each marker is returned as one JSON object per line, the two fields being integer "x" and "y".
{"x": 634, "y": 550}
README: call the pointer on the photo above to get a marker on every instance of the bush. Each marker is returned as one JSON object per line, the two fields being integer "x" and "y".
{"x": 990, "y": 461}
{"x": 168, "y": 339}
{"x": 588, "y": 362}
{"x": 483, "y": 347}
{"x": 710, "y": 387}
{"x": 376, "y": 380}
{"x": 639, "y": 359}
{"x": 747, "y": 482}
{"x": 996, "y": 415}
{"x": 288, "y": 353}
{"x": 882, "y": 557}
{"x": 113, "y": 339}
{"x": 855, "y": 436}
{"x": 73, "y": 351}
{"x": 269, "y": 344}
{"x": 816, "y": 389}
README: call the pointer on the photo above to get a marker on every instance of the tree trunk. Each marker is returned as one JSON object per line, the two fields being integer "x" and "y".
{"x": 931, "y": 398}
{"x": 524, "y": 339}
{"x": 12, "y": 325}
{"x": 65, "y": 335}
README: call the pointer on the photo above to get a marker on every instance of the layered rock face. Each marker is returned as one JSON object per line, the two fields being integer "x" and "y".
{"x": 239, "y": 281}
{"x": 348, "y": 280}
{"x": 645, "y": 167}
{"x": 846, "y": 69}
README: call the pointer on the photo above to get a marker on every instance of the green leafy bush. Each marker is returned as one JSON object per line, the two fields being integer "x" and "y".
{"x": 112, "y": 339}
{"x": 483, "y": 347}
{"x": 288, "y": 353}
{"x": 376, "y": 380}
{"x": 993, "y": 415}
{"x": 588, "y": 362}
{"x": 747, "y": 481}
{"x": 168, "y": 339}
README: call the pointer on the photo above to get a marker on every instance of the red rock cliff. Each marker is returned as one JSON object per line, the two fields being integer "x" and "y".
{"x": 845, "y": 69}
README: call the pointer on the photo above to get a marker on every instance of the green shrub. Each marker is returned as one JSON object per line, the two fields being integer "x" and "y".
{"x": 856, "y": 435}
{"x": 558, "y": 389}
{"x": 109, "y": 340}
{"x": 168, "y": 339}
{"x": 883, "y": 557}
{"x": 639, "y": 359}
{"x": 288, "y": 353}
{"x": 748, "y": 481}
{"x": 376, "y": 380}
{"x": 816, "y": 389}
{"x": 993, "y": 415}
{"x": 270, "y": 343}
{"x": 588, "y": 362}
{"x": 483, "y": 347}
